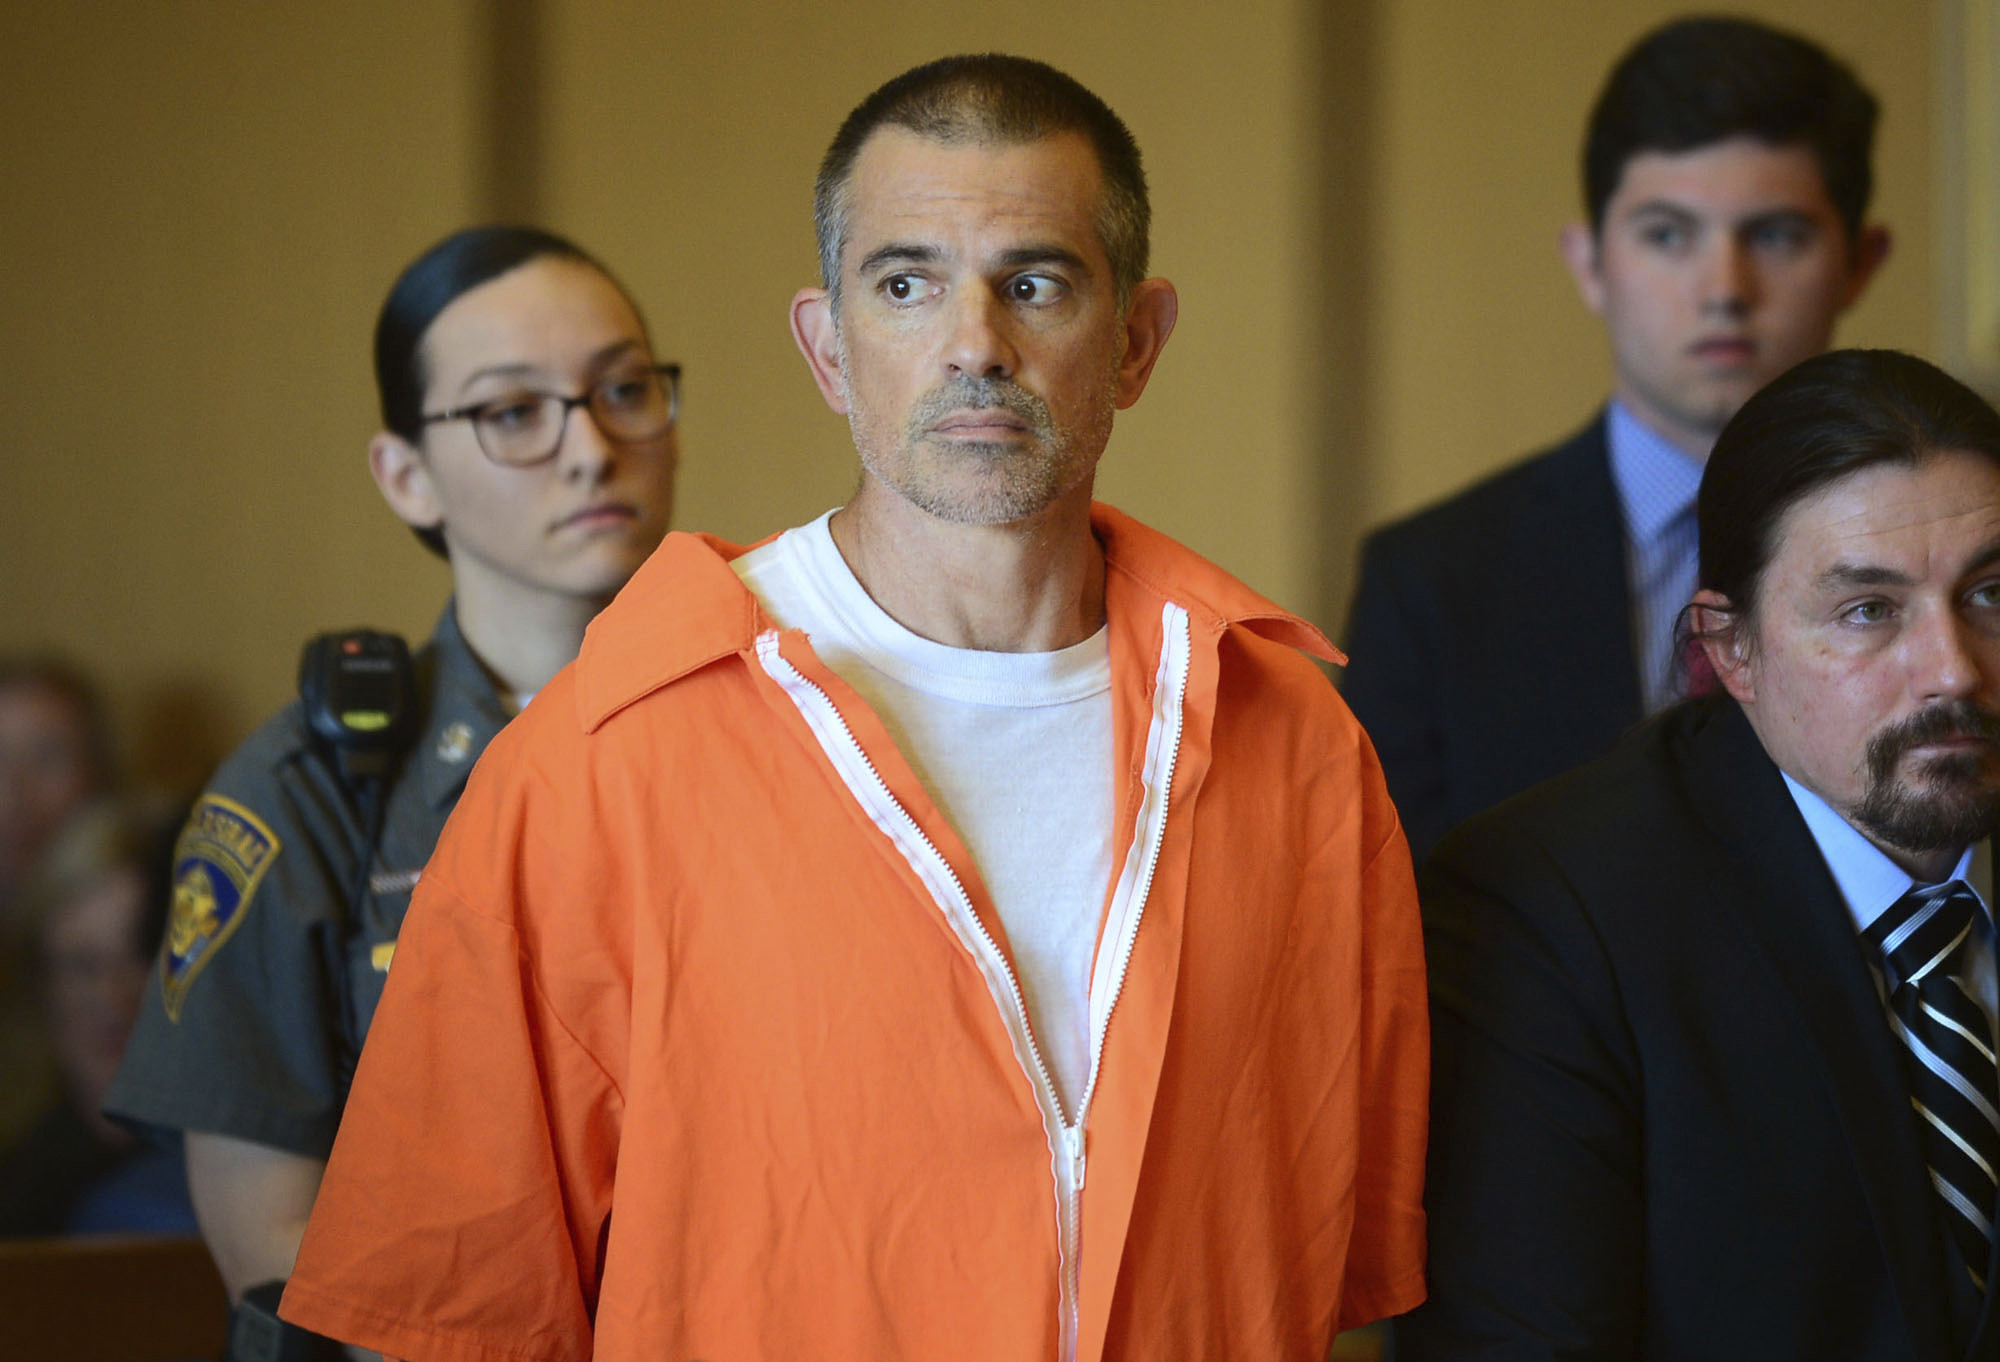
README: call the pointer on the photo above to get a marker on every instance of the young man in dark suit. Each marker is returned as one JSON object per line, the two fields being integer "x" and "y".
{"x": 1714, "y": 1015}
{"x": 1516, "y": 629}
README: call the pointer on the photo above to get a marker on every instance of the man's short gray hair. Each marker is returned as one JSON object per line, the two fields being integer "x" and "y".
{"x": 992, "y": 99}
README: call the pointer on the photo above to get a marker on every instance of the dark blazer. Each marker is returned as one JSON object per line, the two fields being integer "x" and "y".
{"x": 1490, "y": 640}
{"x": 1668, "y": 1117}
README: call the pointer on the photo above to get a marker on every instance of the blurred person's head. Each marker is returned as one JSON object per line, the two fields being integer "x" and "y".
{"x": 54, "y": 755}
{"x": 528, "y": 433}
{"x": 99, "y": 898}
{"x": 1726, "y": 175}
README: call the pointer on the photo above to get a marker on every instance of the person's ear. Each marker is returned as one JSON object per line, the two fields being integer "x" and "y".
{"x": 1726, "y": 640}
{"x": 399, "y": 470}
{"x": 1579, "y": 253}
{"x": 1149, "y": 320}
{"x": 816, "y": 331}
{"x": 1866, "y": 253}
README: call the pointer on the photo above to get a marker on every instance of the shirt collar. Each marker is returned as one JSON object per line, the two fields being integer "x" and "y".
{"x": 685, "y": 609}
{"x": 1868, "y": 880}
{"x": 466, "y": 712}
{"x": 1656, "y": 480}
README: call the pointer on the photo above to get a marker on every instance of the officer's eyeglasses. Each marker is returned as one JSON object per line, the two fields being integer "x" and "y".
{"x": 630, "y": 407}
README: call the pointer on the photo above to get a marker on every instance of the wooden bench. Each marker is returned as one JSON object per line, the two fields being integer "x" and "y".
{"x": 103, "y": 1298}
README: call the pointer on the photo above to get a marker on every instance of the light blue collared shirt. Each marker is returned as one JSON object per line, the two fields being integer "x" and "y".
{"x": 1656, "y": 482}
{"x": 1871, "y": 883}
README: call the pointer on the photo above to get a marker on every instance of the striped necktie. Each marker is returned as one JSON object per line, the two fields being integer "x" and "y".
{"x": 1948, "y": 1055}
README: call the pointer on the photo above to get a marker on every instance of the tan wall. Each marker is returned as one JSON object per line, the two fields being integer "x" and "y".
{"x": 201, "y": 203}
{"x": 1357, "y": 198}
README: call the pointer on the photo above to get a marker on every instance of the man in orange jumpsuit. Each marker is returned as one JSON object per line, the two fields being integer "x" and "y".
{"x": 966, "y": 926}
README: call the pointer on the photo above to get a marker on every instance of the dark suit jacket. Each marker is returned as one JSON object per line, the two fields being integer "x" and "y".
{"x": 1490, "y": 641}
{"x": 1668, "y": 1117}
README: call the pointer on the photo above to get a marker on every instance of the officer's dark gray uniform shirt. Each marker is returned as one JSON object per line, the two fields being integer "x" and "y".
{"x": 242, "y": 1031}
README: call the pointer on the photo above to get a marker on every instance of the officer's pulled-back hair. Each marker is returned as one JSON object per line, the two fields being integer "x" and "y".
{"x": 426, "y": 287}
{"x": 1001, "y": 100}
{"x": 1816, "y": 423}
{"x": 1699, "y": 81}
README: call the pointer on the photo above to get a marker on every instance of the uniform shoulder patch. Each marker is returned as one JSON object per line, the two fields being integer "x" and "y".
{"x": 219, "y": 861}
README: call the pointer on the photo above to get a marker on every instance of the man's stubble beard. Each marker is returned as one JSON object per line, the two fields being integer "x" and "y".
{"x": 1013, "y": 483}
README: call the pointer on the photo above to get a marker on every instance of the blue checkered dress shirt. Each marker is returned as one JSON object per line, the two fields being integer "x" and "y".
{"x": 1656, "y": 484}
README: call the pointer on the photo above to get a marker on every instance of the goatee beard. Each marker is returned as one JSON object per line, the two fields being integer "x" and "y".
{"x": 1950, "y": 801}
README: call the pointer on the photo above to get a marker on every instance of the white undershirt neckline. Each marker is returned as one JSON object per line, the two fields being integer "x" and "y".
{"x": 997, "y": 740}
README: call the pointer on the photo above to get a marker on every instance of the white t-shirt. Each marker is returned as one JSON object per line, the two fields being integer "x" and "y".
{"x": 1014, "y": 747}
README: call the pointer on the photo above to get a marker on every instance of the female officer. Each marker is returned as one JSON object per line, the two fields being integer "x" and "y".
{"x": 529, "y": 437}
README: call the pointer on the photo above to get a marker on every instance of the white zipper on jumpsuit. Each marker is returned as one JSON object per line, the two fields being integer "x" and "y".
{"x": 1067, "y": 1144}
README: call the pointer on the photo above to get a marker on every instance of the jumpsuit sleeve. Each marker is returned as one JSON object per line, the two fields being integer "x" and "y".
{"x": 466, "y": 1206}
{"x": 239, "y": 1033}
{"x": 1385, "y": 1273}
{"x": 1536, "y": 1191}
{"x": 1391, "y": 684}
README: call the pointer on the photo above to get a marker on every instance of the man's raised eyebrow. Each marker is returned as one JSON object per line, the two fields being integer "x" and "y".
{"x": 1666, "y": 208}
{"x": 1863, "y": 574}
{"x": 1984, "y": 559}
{"x": 1038, "y": 253}
{"x": 896, "y": 253}
{"x": 1779, "y": 217}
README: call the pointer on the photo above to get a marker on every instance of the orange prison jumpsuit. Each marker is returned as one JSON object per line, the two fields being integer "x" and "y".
{"x": 702, "y": 1039}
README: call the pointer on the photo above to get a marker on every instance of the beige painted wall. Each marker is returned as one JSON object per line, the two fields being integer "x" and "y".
{"x": 202, "y": 200}
{"x": 206, "y": 202}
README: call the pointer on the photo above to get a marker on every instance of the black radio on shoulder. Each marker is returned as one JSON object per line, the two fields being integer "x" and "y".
{"x": 359, "y": 692}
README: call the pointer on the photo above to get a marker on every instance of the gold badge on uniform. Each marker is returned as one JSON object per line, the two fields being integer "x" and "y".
{"x": 218, "y": 863}
{"x": 454, "y": 745}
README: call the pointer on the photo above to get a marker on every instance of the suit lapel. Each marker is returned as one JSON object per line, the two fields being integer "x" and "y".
{"x": 1781, "y": 893}
{"x": 1583, "y": 617}
{"x": 1986, "y": 1331}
